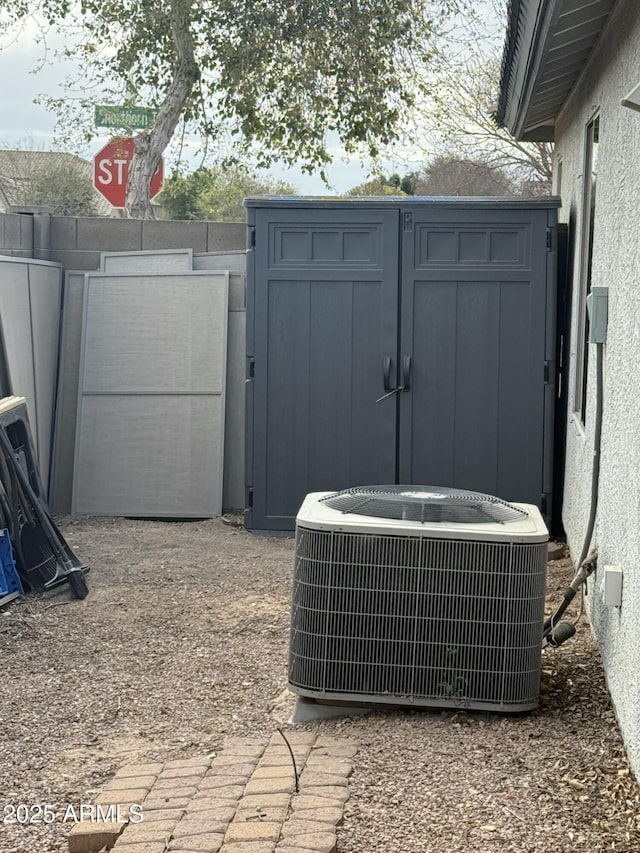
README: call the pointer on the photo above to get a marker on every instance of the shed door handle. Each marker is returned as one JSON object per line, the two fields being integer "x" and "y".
{"x": 388, "y": 361}
{"x": 387, "y": 365}
{"x": 406, "y": 372}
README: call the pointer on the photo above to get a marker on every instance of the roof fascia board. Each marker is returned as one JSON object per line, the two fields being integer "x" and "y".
{"x": 539, "y": 45}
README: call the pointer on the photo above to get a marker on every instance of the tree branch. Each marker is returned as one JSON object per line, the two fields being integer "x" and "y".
{"x": 151, "y": 143}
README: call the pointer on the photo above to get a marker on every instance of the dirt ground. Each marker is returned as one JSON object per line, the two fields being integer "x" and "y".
{"x": 183, "y": 640}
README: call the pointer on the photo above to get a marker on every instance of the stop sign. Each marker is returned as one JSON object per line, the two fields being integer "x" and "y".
{"x": 111, "y": 170}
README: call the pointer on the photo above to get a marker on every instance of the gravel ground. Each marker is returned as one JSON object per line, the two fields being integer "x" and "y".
{"x": 183, "y": 640}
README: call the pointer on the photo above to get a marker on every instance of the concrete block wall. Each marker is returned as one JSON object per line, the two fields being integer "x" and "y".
{"x": 16, "y": 235}
{"x": 76, "y": 243}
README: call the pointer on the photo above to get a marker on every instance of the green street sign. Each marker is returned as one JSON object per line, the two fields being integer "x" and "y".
{"x": 128, "y": 118}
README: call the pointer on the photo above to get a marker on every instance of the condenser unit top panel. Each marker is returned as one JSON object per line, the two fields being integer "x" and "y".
{"x": 422, "y": 511}
{"x": 8, "y": 403}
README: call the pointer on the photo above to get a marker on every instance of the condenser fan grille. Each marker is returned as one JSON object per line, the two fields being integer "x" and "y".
{"x": 429, "y": 621}
{"x": 426, "y": 504}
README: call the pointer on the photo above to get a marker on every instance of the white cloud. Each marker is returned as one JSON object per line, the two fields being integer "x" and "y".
{"x": 26, "y": 71}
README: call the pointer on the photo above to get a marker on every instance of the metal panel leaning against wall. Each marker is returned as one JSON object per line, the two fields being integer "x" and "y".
{"x": 61, "y": 484}
{"x": 150, "y": 428}
{"x": 236, "y": 263}
{"x": 64, "y": 434}
{"x": 30, "y": 293}
{"x": 68, "y": 377}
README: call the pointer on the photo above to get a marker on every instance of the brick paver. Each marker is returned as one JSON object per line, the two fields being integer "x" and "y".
{"x": 130, "y": 770}
{"x": 183, "y": 782}
{"x": 242, "y": 801}
{"x": 86, "y": 837}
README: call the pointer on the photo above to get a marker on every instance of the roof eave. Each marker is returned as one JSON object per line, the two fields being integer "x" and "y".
{"x": 513, "y": 111}
{"x": 541, "y": 133}
{"x": 548, "y": 45}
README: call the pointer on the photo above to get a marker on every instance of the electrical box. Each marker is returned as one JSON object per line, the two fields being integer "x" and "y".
{"x": 612, "y": 586}
{"x": 598, "y": 308}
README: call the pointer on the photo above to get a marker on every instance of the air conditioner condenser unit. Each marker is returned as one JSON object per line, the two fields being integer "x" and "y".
{"x": 420, "y": 596}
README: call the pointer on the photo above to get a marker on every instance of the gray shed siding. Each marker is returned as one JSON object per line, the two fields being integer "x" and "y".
{"x": 458, "y": 297}
{"x": 324, "y": 302}
{"x": 475, "y": 301}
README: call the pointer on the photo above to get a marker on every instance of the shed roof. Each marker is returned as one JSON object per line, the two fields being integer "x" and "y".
{"x": 395, "y": 202}
{"x": 548, "y": 44}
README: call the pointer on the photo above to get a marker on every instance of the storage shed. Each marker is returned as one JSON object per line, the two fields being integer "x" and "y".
{"x": 399, "y": 340}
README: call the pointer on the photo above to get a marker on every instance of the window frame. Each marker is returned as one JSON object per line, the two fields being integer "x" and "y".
{"x": 558, "y": 176}
{"x": 587, "y": 228}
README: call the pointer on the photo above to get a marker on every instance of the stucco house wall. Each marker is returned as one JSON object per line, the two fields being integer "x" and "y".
{"x": 613, "y": 71}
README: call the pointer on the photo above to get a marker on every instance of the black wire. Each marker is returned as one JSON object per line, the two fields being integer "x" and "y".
{"x": 293, "y": 760}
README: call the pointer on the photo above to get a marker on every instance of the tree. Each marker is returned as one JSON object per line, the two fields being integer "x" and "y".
{"x": 445, "y": 175}
{"x": 56, "y": 180}
{"x": 457, "y": 176}
{"x": 392, "y": 185}
{"x": 454, "y": 115}
{"x": 278, "y": 75}
{"x": 216, "y": 193}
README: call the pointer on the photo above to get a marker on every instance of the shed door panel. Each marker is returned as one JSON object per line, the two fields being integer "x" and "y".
{"x": 325, "y": 318}
{"x": 473, "y": 321}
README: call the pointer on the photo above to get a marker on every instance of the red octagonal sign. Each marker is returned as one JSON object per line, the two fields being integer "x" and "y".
{"x": 111, "y": 171}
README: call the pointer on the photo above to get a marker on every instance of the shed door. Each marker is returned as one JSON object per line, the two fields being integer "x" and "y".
{"x": 473, "y": 323}
{"x": 325, "y": 319}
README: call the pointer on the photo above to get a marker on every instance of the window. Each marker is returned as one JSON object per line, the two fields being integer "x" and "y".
{"x": 586, "y": 257}
{"x": 558, "y": 188}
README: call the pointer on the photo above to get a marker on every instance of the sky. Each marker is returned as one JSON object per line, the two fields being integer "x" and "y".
{"x": 25, "y": 124}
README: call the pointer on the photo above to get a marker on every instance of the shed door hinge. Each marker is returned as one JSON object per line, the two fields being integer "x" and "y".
{"x": 547, "y": 373}
{"x": 543, "y": 502}
{"x": 252, "y": 237}
{"x": 549, "y": 239}
{"x": 250, "y": 498}
{"x": 252, "y": 368}
{"x": 408, "y": 221}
